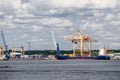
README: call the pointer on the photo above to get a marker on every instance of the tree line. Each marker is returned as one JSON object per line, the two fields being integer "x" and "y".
{"x": 52, "y": 52}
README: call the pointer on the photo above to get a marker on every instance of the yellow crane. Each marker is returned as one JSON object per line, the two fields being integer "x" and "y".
{"x": 83, "y": 41}
{"x": 1, "y": 52}
{"x": 21, "y": 50}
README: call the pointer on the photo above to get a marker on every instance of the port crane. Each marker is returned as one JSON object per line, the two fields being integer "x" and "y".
{"x": 21, "y": 51}
{"x": 83, "y": 41}
{"x": 4, "y": 42}
{"x": 53, "y": 37}
{"x": 56, "y": 44}
{"x": 5, "y": 45}
{"x": 1, "y": 52}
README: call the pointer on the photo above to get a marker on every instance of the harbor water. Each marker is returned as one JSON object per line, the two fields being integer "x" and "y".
{"x": 60, "y": 70}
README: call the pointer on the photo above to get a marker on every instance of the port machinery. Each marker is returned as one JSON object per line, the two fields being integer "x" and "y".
{"x": 83, "y": 41}
{"x": 1, "y": 52}
{"x": 21, "y": 53}
{"x": 84, "y": 51}
{"x": 13, "y": 54}
{"x": 5, "y": 53}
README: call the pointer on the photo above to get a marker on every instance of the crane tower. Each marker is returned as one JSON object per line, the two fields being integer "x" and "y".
{"x": 83, "y": 41}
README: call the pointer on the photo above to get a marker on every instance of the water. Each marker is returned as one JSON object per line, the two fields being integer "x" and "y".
{"x": 60, "y": 70}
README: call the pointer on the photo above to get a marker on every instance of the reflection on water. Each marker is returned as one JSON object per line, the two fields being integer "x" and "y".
{"x": 60, "y": 70}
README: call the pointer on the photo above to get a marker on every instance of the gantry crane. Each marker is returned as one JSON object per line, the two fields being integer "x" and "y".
{"x": 21, "y": 50}
{"x": 1, "y": 52}
{"x": 83, "y": 41}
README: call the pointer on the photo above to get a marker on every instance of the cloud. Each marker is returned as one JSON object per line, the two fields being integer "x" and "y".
{"x": 13, "y": 7}
{"x": 51, "y": 7}
{"x": 9, "y": 5}
{"x": 33, "y": 20}
{"x": 109, "y": 17}
{"x": 93, "y": 26}
{"x": 55, "y": 22}
{"x": 24, "y": 36}
{"x": 117, "y": 22}
{"x": 115, "y": 44}
{"x": 50, "y": 21}
{"x": 98, "y": 14}
{"x": 74, "y": 3}
{"x": 105, "y": 3}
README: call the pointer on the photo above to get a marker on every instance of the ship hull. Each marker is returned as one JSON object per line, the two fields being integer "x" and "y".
{"x": 83, "y": 58}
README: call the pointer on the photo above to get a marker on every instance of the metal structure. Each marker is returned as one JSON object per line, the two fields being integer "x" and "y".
{"x": 21, "y": 50}
{"x": 84, "y": 43}
{"x": 1, "y": 52}
{"x": 29, "y": 47}
{"x": 56, "y": 44}
{"x": 54, "y": 40}
{"x": 4, "y": 42}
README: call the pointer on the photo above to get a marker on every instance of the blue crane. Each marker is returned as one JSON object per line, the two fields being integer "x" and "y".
{"x": 5, "y": 46}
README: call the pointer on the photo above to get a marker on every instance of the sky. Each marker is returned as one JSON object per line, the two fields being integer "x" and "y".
{"x": 31, "y": 21}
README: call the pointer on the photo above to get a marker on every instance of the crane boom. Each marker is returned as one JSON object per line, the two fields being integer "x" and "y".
{"x": 54, "y": 41}
{"x": 4, "y": 42}
{"x": 56, "y": 45}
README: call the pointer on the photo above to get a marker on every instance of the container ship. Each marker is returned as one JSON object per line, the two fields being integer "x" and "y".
{"x": 83, "y": 41}
{"x": 59, "y": 56}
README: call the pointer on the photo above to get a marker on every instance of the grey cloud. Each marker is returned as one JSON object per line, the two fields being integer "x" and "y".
{"x": 34, "y": 20}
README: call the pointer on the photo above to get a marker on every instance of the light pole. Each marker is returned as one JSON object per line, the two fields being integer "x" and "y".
{"x": 29, "y": 45}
